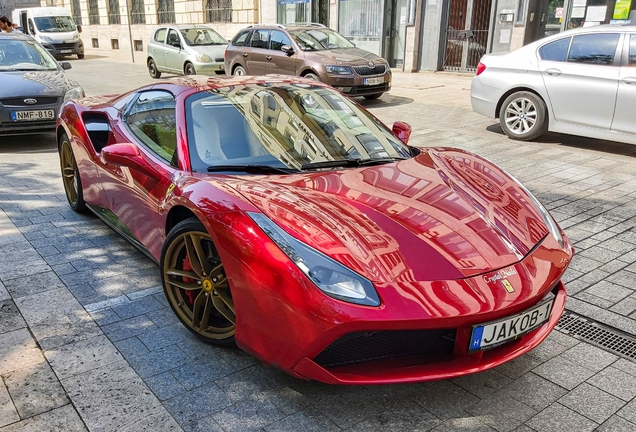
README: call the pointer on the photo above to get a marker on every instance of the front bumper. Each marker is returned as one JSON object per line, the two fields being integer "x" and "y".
{"x": 354, "y": 85}
{"x": 217, "y": 68}
{"x": 61, "y": 49}
{"x": 9, "y": 127}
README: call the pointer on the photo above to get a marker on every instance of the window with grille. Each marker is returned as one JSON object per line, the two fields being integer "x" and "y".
{"x": 137, "y": 13}
{"x": 165, "y": 12}
{"x": 76, "y": 10}
{"x": 218, "y": 11}
{"x": 93, "y": 12}
{"x": 113, "y": 12}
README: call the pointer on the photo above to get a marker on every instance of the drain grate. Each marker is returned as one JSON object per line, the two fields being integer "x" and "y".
{"x": 598, "y": 334}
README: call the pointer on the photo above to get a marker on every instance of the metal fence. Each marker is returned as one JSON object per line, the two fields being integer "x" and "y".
{"x": 466, "y": 39}
{"x": 218, "y": 11}
{"x": 165, "y": 12}
{"x": 137, "y": 14}
{"x": 113, "y": 12}
{"x": 93, "y": 12}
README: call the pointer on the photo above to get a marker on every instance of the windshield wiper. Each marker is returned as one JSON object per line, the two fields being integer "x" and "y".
{"x": 379, "y": 161}
{"x": 252, "y": 169}
{"x": 350, "y": 163}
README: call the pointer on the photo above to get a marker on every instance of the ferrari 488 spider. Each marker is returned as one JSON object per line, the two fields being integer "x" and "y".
{"x": 287, "y": 219}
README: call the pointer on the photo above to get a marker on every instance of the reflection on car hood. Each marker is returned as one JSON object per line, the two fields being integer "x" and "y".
{"x": 214, "y": 51}
{"x": 33, "y": 83}
{"x": 445, "y": 214}
{"x": 350, "y": 56}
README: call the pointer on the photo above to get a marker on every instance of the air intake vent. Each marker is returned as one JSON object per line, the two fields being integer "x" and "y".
{"x": 598, "y": 334}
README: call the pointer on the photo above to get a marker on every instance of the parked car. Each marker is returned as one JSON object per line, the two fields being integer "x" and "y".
{"x": 579, "y": 82}
{"x": 287, "y": 219}
{"x": 311, "y": 51}
{"x": 186, "y": 50}
{"x": 33, "y": 86}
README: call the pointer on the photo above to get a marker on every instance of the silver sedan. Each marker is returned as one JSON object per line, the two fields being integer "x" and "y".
{"x": 579, "y": 82}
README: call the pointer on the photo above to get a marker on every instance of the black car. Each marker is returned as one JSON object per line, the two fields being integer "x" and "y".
{"x": 33, "y": 86}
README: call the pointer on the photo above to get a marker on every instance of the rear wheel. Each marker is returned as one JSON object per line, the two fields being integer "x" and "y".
{"x": 373, "y": 96}
{"x": 152, "y": 69}
{"x": 71, "y": 176}
{"x": 188, "y": 69}
{"x": 311, "y": 76}
{"x": 196, "y": 285}
{"x": 239, "y": 71}
{"x": 523, "y": 116}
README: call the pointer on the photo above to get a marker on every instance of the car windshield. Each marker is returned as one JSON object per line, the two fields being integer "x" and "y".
{"x": 24, "y": 55}
{"x": 319, "y": 39}
{"x": 55, "y": 24}
{"x": 295, "y": 127}
{"x": 202, "y": 36}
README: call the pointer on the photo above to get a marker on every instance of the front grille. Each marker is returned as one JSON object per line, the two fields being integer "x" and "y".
{"x": 375, "y": 70}
{"x": 62, "y": 46}
{"x": 362, "y": 347}
{"x": 20, "y": 101}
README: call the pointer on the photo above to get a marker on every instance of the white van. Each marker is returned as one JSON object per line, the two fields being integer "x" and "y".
{"x": 53, "y": 27}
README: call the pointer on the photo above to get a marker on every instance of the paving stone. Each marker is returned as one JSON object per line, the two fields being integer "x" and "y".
{"x": 534, "y": 391}
{"x": 348, "y": 409}
{"x": 156, "y": 362}
{"x": 10, "y": 318}
{"x": 615, "y": 382}
{"x": 137, "y": 307}
{"x": 157, "y": 419}
{"x": 4, "y": 294}
{"x": 626, "y": 366}
{"x": 61, "y": 419}
{"x": 609, "y": 291}
{"x": 162, "y": 337}
{"x": 592, "y": 402}
{"x": 79, "y": 357}
{"x": 206, "y": 424}
{"x": 626, "y": 306}
{"x": 628, "y": 412}
{"x": 188, "y": 409}
{"x": 501, "y": 412}
{"x": 18, "y": 350}
{"x": 484, "y": 383}
{"x": 616, "y": 424}
{"x": 200, "y": 370}
{"x": 110, "y": 397}
{"x": 463, "y": 424}
{"x": 104, "y": 316}
{"x": 163, "y": 317}
{"x": 247, "y": 416}
{"x": 307, "y": 421}
{"x": 563, "y": 372}
{"x": 589, "y": 356}
{"x": 127, "y": 328}
{"x": 445, "y": 399}
{"x": 8, "y": 412}
{"x": 35, "y": 389}
{"x": 560, "y": 418}
{"x": 164, "y": 386}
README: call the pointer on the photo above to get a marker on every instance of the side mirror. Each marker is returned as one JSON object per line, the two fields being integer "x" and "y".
{"x": 287, "y": 49}
{"x": 127, "y": 155}
{"x": 79, "y": 28}
{"x": 402, "y": 131}
{"x": 65, "y": 65}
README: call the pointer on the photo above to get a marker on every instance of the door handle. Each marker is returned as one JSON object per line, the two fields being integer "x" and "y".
{"x": 268, "y": 57}
{"x": 629, "y": 80}
{"x": 244, "y": 54}
{"x": 553, "y": 72}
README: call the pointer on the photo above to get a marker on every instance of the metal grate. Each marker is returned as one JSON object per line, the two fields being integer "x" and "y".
{"x": 467, "y": 34}
{"x": 375, "y": 70}
{"x": 598, "y": 334}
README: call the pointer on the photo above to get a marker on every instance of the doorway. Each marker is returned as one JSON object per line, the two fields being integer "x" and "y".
{"x": 466, "y": 34}
{"x": 394, "y": 32}
{"x": 545, "y": 18}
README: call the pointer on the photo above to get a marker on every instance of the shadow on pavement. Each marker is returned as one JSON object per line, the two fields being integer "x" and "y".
{"x": 41, "y": 143}
{"x": 386, "y": 100}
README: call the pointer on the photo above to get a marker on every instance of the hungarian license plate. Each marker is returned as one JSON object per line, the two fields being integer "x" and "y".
{"x": 66, "y": 51}
{"x": 374, "y": 81}
{"x": 492, "y": 334}
{"x": 17, "y": 116}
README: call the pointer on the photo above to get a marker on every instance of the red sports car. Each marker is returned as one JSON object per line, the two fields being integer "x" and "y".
{"x": 287, "y": 219}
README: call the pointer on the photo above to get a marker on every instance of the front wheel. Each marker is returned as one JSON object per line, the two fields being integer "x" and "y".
{"x": 188, "y": 69}
{"x": 523, "y": 116}
{"x": 152, "y": 69}
{"x": 312, "y": 76}
{"x": 80, "y": 56}
{"x": 239, "y": 71}
{"x": 196, "y": 285}
{"x": 71, "y": 176}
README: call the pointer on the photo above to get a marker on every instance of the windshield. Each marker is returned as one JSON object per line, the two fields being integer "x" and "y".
{"x": 319, "y": 39}
{"x": 202, "y": 36}
{"x": 24, "y": 55}
{"x": 293, "y": 126}
{"x": 55, "y": 24}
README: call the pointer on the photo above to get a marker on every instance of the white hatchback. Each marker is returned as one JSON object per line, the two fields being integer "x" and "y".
{"x": 579, "y": 82}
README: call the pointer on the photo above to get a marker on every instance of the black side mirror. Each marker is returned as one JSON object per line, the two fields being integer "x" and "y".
{"x": 65, "y": 65}
{"x": 79, "y": 28}
{"x": 287, "y": 49}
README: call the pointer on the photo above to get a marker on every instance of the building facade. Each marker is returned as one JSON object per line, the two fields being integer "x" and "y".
{"x": 412, "y": 35}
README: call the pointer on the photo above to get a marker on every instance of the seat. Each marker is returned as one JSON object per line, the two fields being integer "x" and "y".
{"x": 206, "y": 135}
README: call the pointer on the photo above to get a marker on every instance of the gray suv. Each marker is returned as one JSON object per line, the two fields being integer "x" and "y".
{"x": 308, "y": 50}
{"x": 186, "y": 50}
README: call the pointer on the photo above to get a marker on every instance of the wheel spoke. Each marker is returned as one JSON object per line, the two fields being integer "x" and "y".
{"x": 200, "y": 301}
{"x": 193, "y": 256}
{"x": 182, "y": 273}
{"x": 184, "y": 285}
{"x": 224, "y": 304}
{"x": 512, "y": 119}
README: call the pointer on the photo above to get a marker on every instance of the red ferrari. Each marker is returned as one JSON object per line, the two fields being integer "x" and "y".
{"x": 287, "y": 219}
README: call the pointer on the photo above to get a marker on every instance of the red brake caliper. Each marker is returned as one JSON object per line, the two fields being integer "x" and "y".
{"x": 187, "y": 266}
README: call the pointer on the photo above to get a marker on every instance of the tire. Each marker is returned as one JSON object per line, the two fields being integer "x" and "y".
{"x": 80, "y": 56}
{"x": 373, "y": 96}
{"x": 71, "y": 176}
{"x": 311, "y": 76}
{"x": 197, "y": 288}
{"x": 188, "y": 69}
{"x": 523, "y": 116}
{"x": 152, "y": 69}
{"x": 239, "y": 71}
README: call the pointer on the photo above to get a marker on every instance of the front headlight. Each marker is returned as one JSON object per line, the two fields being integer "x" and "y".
{"x": 74, "y": 93}
{"x": 203, "y": 58}
{"x": 339, "y": 70}
{"x": 76, "y": 37}
{"x": 46, "y": 39}
{"x": 333, "y": 278}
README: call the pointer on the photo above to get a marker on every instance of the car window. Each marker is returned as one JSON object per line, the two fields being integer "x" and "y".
{"x": 25, "y": 56}
{"x": 202, "y": 36}
{"x": 632, "y": 50}
{"x": 160, "y": 35}
{"x": 555, "y": 51}
{"x": 152, "y": 119}
{"x": 173, "y": 37}
{"x": 259, "y": 39}
{"x": 239, "y": 39}
{"x": 597, "y": 48}
{"x": 278, "y": 39}
{"x": 320, "y": 39}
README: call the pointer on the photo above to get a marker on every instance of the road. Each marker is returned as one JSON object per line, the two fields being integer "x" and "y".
{"x": 87, "y": 340}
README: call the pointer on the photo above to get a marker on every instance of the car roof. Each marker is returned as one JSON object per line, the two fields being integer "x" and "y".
{"x": 15, "y": 35}
{"x": 291, "y": 26}
{"x": 603, "y": 28}
{"x": 186, "y": 26}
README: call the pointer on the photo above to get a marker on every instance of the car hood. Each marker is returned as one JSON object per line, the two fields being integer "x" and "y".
{"x": 348, "y": 56}
{"x": 214, "y": 51}
{"x": 443, "y": 215}
{"x": 33, "y": 83}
